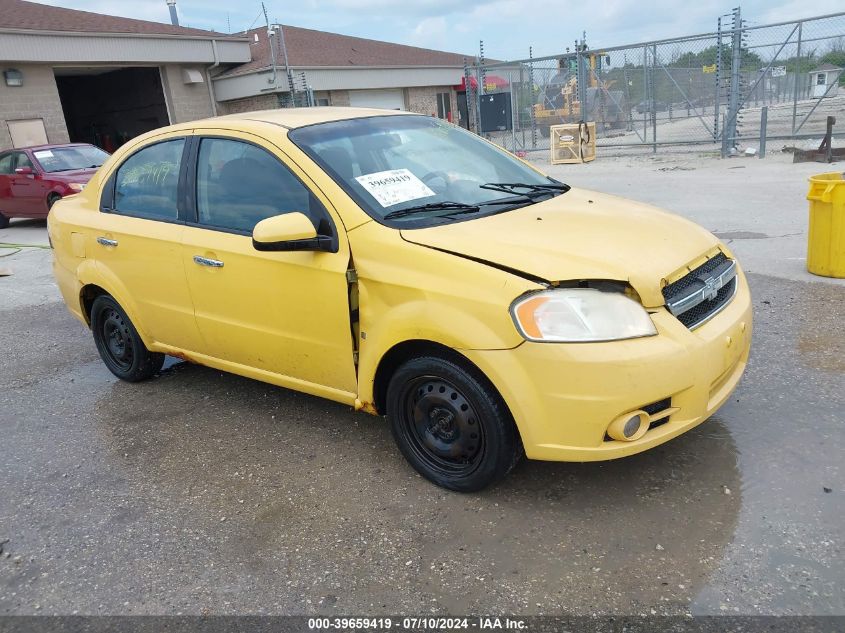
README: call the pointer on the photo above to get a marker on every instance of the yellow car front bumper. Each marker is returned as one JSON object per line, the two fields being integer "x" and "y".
{"x": 564, "y": 396}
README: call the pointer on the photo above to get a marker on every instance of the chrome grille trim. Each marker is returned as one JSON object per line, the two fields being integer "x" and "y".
{"x": 719, "y": 308}
{"x": 705, "y": 290}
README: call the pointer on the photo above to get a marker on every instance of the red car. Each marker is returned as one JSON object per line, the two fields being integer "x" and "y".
{"x": 33, "y": 178}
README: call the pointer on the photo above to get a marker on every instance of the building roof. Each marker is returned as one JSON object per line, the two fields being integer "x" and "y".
{"x": 308, "y": 48}
{"x": 31, "y": 16}
{"x": 825, "y": 67}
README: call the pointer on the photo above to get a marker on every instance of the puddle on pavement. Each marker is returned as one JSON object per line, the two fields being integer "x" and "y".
{"x": 821, "y": 333}
{"x": 281, "y": 480}
{"x": 786, "y": 421}
{"x": 227, "y": 483}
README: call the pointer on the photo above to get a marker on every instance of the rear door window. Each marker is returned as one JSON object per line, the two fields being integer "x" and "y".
{"x": 147, "y": 183}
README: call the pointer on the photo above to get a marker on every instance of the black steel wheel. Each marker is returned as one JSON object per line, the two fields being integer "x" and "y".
{"x": 119, "y": 344}
{"x": 451, "y": 425}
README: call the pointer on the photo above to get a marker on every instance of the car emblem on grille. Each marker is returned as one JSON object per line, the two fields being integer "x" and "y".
{"x": 711, "y": 288}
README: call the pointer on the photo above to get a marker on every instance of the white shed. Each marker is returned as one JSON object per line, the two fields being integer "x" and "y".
{"x": 824, "y": 81}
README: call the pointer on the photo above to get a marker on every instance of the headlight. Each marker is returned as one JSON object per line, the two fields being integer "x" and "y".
{"x": 76, "y": 186}
{"x": 578, "y": 315}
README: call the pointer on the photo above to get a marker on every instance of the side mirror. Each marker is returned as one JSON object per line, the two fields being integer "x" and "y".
{"x": 288, "y": 232}
{"x": 24, "y": 171}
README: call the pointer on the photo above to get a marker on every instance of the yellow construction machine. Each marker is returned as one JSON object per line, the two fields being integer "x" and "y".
{"x": 559, "y": 101}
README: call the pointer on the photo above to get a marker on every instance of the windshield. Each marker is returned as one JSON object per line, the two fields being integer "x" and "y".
{"x": 412, "y": 171}
{"x": 68, "y": 158}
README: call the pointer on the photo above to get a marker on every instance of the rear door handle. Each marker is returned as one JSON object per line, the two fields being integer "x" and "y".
{"x": 205, "y": 261}
{"x": 106, "y": 241}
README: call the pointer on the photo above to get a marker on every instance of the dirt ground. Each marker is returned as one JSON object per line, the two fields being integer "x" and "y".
{"x": 199, "y": 492}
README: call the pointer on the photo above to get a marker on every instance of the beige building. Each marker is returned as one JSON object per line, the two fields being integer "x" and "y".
{"x": 330, "y": 69}
{"x": 72, "y": 75}
{"x": 79, "y": 76}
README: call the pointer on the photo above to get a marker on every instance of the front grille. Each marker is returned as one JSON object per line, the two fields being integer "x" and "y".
{"x": 678, "y": 288}
{"x": 705, "y": 309}
{"x": 703, "y": 292}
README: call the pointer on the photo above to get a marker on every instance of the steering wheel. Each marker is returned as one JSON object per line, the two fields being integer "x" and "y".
{"x": 435, "y": 174}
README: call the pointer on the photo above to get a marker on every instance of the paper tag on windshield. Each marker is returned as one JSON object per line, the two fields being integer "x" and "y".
{"x": 44, "y": 153}
{"x": 394, "y": 186}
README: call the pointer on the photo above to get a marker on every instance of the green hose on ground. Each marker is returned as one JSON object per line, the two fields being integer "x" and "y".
{"x": 19, "y": 247}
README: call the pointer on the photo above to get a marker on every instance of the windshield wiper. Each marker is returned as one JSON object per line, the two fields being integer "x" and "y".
{"x": 534, "y": 190}
{"x": 432, "y": 206}
{"x": 456, "y": 208}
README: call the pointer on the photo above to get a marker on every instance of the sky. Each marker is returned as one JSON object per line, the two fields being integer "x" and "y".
{"x": 508, "y": 27}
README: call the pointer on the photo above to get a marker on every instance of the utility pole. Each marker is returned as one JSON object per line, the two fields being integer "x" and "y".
{"x": 718, "y": 73}
{"x": 532, "y": 100}
{"x": 274, "y": 79}
{"x": 285, "y": 55}
{"x": 581, "y": 77}
{"x": 729, "y": 134}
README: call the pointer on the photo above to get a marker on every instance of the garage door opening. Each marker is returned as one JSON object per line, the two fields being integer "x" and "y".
{"x": 108, "y": 106}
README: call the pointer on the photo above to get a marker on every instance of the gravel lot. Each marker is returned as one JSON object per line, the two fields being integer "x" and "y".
{"x": 199, "y": 492}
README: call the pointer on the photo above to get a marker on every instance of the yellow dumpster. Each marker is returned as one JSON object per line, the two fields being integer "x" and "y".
{"x": 826, "y": 239}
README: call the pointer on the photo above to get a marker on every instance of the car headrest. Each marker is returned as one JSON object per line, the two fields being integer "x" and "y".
{"x": 339, "y": 160}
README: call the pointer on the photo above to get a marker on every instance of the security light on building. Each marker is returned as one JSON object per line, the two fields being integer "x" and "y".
{"x": 14, "y": 78}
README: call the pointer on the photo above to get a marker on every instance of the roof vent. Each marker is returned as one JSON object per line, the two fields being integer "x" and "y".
{"x": 174, "y": 18}
{"x": 191, "y": 76}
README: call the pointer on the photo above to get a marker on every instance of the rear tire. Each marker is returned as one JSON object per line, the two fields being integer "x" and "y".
{"x": 451, "y": 425}
{"x": 119, "y": 344}
{"x": 4, "y": 221}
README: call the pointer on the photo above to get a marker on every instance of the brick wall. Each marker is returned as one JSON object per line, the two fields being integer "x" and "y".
{"x": 188, "y": 102}
{"x": 38, "y": 98}
{"x": 424, "y": 100}
{"x": 248, "y": 104}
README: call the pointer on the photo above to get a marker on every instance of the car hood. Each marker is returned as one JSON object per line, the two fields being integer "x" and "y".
{"x": 81, "y": 176}
{"x": 578, "y": 235}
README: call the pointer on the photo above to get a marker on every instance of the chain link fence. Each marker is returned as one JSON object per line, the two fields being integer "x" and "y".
{"x": 734, "y": 88}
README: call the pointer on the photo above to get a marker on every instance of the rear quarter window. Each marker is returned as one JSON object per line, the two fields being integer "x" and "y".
{"x": 147, "y": 183}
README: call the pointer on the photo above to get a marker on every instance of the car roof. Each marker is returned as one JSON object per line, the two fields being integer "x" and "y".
{"x": 299, "y": 117}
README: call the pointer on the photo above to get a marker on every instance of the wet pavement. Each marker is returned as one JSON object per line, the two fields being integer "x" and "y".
{"x": 201, "y": 492}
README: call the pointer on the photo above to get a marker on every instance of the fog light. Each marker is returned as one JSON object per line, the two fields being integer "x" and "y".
{"x": 629, "y": 426}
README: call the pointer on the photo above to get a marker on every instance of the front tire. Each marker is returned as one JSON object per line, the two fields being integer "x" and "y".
{"x": 119, "y": 344}
{"x": 451, "y": 425}
{"x": 4, "y": 221}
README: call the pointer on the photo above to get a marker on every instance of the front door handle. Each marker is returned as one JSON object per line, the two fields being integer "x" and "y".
{"x": 106, "y": 241}
{"x": 205, "y": 261}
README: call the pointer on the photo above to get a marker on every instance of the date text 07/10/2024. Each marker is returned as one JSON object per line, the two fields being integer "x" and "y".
{"x": 415, "y": 623}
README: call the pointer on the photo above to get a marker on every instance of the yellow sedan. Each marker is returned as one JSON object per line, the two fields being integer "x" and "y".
{"x": 405, "y": 267}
